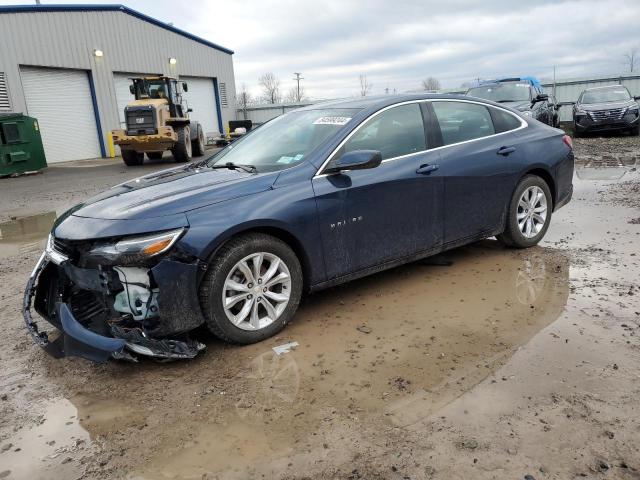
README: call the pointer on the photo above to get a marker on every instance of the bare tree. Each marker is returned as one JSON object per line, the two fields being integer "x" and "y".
{"x": 295, "y": 95}
{"x": 243, "y": 99}
{"x": 271, "y": 87}
{"x": 631, "y": 59}
{"x": 365, "y": 86}
{"x": 431, "y": 84}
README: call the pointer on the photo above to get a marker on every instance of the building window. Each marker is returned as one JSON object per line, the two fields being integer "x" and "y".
{"x": 5, "y": 106}
{"x": 223, "y": 95}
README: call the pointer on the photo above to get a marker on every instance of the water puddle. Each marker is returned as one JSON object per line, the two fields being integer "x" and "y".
{"x": 391, "y": 349}
{"x": 50, "y": 448}
{"x": 25, "y": 234}
{"x": 600, "y": 173}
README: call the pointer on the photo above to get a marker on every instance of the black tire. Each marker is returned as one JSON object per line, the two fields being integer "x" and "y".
{"x": 211, "y": 288}
{"x": 512, "y": 235}
{"x": 154, "y": 155}
{"x": 182, "y": 149}
{"x": 197, "y": 145}
{"x": 576, "y": 132}
{"x": 131, "y": 158}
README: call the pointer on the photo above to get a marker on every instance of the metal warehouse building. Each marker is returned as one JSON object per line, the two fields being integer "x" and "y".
{"x": 69, "y": 66}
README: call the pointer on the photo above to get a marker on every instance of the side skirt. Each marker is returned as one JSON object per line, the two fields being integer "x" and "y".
{"x": 401, "y": 261}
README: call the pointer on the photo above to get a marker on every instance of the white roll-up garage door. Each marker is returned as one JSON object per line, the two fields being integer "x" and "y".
{"x": 61, "y": 101}
{"x": 201, "y": 98}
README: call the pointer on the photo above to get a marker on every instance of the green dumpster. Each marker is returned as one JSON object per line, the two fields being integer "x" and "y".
{"x": 20, "y": 144}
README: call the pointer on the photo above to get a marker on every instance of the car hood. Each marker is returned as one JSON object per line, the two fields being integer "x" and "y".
{"x": 591, "y": 107}
{"x": 173, "y": 191}
{"x": 520, "y": 105}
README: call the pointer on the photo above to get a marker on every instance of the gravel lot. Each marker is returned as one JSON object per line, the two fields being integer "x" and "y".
{"x": 504, "y": 364}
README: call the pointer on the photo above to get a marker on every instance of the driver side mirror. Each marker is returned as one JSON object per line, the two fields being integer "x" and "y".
{"x": 541, "y": 97}
{"x": 132, "y": 89}
{"x": 355, "y": 160}
{"x": 637, "y": 97}
{"x": 184, "y": 87}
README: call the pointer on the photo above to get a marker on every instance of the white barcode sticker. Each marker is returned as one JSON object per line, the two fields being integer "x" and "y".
{"x": 332, "y": 121}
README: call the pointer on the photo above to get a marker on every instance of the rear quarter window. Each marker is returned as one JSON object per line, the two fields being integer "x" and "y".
{"x": 504, "y": 121}
{"x": 462, "y": 121}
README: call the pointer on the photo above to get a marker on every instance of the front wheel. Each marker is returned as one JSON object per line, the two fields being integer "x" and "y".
{"x": 197, "y": 145}
{"x": 182, "y": 149}
{"x": 529, "y": 213}
{"x": 131, "y": 158}
{"x": 154, "y": 155}
{"x": 252, "y": 289}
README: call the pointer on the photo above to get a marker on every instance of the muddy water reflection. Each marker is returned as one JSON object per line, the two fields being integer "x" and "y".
{"x": 427, "y": 335}
{"x": 49, "y": 449}
{"x": 25, "y": 233}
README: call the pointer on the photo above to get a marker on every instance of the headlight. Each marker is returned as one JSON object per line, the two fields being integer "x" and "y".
{"x": 633, "y": 109}
{"x": 137, "y": 249}
{"x": 580, "y": 112}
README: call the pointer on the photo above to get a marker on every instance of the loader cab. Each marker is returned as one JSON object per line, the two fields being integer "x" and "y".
{"x": 159, "y": 88}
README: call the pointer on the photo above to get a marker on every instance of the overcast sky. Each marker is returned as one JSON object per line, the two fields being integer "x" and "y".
{"x": 397, "y": 43}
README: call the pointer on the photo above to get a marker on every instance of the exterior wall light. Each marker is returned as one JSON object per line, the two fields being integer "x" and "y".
{"x": 98, "y": 53}
{"x": 172, "y": 61}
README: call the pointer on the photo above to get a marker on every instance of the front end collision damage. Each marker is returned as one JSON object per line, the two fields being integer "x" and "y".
{"x": 115, "y": 311}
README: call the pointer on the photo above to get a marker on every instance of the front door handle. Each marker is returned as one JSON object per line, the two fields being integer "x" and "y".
{"x": 506, "y": 150}
{"x": 426, "y": 169}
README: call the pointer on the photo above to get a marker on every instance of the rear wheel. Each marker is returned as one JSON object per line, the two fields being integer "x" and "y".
{"x": 131, "y": 158}
{"x": 252, "y": 289}
{"x": 182, "y": 149}
{"x": 529, "y": 213}
{"x": 197, "y": 144}
{"x": 154, "y": 155}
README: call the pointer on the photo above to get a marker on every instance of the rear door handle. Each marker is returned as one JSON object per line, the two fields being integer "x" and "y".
{"x": 506, "y": 150}
{"x": 426, "y": 169}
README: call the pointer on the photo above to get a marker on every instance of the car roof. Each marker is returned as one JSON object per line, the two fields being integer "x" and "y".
{"x": 382, "y": 101}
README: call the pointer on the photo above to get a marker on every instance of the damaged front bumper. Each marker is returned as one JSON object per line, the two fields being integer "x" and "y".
{"x": 78, "y": 302}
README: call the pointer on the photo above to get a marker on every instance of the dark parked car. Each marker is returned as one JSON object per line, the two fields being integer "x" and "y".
{"x": 314, "y": 198}
{"x": 606, "y": 108}
{"x": 523, "y": 94}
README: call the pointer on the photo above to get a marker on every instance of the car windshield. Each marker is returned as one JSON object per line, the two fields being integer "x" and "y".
{"x": 284, "y": 141}
{"x": 502, "y": 92}
{"x": 605, "y": 95}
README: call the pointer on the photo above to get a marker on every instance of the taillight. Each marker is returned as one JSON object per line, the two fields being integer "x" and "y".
{"x": 567, "y": 141}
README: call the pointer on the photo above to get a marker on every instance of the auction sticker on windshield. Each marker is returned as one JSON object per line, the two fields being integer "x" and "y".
{"x": 332, "y": 121}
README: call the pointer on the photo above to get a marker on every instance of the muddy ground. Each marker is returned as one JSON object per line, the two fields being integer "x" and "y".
{"x": 502, "y": 365}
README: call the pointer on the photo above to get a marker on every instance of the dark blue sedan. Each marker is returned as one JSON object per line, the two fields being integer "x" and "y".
{"x": 311, "y": 199}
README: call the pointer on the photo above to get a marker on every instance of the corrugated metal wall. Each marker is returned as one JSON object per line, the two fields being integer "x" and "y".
{"x": 68, "y": 39}
{"x": 568, "y": 90}
{"x": 260, "y": 114}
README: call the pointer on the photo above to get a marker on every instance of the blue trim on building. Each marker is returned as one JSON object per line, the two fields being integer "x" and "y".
{"x": 96, "y": 112}
{"x": 217, "y": 94}
{"x": 110, "y": 8}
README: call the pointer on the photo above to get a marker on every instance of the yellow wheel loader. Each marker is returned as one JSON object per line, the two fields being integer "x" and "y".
{"x": 158, "y": 120}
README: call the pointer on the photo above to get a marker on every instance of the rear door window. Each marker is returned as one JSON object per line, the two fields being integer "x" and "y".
{"x": 394, "y": 132}
{"x": 462, "y": 121}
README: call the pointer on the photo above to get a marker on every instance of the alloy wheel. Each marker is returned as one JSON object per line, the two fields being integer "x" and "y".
{"x": 256, "y": 291}
{"x": 532, "y": 211}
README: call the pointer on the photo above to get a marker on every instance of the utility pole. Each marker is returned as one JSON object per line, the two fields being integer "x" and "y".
{"x": 297, "y": 79}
